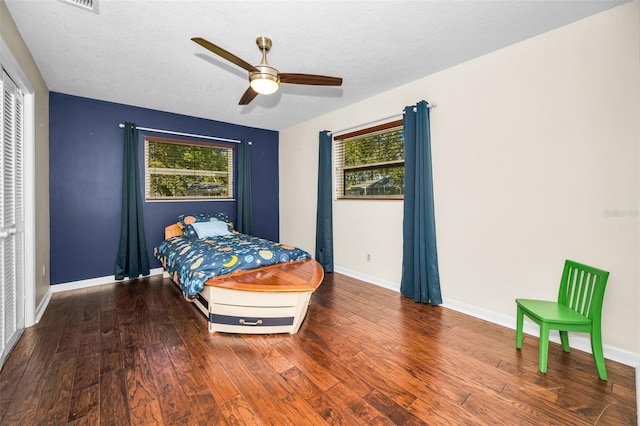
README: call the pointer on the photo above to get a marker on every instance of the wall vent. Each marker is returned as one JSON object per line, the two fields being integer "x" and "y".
{"x": 90, "y": 5}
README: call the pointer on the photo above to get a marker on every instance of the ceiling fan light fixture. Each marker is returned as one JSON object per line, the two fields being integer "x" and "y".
{"x": 263, "y": 78}
{"x": 263, "y": 83}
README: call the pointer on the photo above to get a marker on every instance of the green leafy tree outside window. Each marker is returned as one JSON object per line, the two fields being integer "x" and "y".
{"x": 374, "y": 165}
{"x": 182, "y": 170}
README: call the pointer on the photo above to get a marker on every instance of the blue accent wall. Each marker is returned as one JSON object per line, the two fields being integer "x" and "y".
{"x": 85, "y": 167}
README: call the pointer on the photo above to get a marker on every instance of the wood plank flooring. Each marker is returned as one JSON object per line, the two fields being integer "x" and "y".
{"x": 136, "y": 353}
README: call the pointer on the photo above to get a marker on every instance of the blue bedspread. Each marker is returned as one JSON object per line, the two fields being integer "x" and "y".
{"x": 191, "y": 262}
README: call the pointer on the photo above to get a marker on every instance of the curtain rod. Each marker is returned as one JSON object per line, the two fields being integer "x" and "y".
{"x": 429, "y": 105}
{"x": 171, "y": 132}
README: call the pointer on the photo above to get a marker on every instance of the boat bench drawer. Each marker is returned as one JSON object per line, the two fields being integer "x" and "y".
{"x": 248, "y": 321}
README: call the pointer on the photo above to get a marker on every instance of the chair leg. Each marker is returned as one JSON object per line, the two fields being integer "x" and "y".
{"x": 598, "y": 354}
{"x": 564, "y": 339}
{"x": 543, "y": 351}
{"x": 519, "y": 323}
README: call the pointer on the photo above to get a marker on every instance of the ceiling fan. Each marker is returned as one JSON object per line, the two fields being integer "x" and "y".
{"x": 263, "y": 78}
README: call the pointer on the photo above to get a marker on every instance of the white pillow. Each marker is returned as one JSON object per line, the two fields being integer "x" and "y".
{"x": 214, "y": 228}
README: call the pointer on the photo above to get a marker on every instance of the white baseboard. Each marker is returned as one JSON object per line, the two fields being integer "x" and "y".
{"x": 42, "y": 306}
{"x": 368, "y": 278}
{"x": 638, "y": 393}
{"x": 92, "y": 282}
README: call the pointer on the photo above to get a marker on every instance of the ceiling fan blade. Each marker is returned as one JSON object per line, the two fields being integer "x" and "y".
{"x": 311, "y": 79}
{"x": 248, "y": 96}
{"x": 225, "y": 54}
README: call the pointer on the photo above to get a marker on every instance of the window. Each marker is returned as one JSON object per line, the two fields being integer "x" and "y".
{"x": 370, "y": 163}
{"x": 187, "y": 170}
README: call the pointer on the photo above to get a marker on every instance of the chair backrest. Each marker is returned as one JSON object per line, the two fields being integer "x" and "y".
{"x": 582, "y": 289}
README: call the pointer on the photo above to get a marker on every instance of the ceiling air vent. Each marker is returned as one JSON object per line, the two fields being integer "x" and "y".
{"x": 90, "y": 5}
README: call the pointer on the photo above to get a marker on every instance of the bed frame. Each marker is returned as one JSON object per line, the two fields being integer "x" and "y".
{"x": 271, "y": 299}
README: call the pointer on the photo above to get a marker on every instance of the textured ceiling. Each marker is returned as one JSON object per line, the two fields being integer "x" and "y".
{"x": 140, "y": 53}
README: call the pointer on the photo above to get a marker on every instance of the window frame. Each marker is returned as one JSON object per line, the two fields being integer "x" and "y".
{"x": 189, "y": 142}
{"x": 340, "y": 168}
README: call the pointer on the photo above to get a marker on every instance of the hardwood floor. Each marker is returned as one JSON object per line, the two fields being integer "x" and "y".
{"x": 136, "y": 353}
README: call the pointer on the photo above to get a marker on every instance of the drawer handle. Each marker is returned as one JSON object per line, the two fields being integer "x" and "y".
{"x": 243, "y": 322}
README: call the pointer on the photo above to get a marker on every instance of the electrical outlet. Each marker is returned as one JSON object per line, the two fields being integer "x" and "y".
{"x": 368, "y": 257}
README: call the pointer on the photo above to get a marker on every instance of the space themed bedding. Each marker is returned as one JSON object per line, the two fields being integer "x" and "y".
{"x": 191, "y": 262}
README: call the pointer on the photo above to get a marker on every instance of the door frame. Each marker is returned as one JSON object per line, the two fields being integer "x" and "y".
{"x": 13, "y": 69}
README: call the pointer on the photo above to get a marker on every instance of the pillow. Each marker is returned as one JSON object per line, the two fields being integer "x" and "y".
{"x": 213, "y": 228}
{"x": 186, "y": 221}
{"x": 189, "y": 219}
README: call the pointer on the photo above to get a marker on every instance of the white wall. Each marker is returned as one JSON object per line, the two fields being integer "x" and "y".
{"x": 535, "y": 151}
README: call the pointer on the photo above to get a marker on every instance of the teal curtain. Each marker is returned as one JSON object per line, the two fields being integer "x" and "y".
{"x": 244, "y": 203}
{"x": 420, "y": 276}
{"x": 133, "y": 259}
{"x": 324, "y": 215}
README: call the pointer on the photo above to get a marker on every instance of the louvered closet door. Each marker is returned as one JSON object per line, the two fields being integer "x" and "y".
{"x": 11, "y": 217}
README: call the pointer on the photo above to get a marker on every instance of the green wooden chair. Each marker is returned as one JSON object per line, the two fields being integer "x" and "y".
{"x": 579, "y": 308}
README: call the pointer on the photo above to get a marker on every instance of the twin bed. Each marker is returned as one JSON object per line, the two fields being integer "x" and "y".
{"x": 243, "y": 284}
